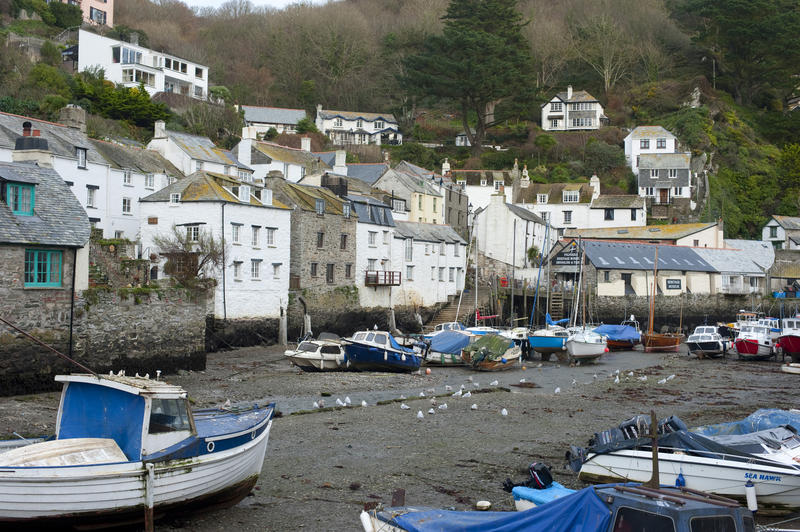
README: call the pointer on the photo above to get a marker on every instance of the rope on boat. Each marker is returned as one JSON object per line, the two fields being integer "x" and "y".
{"x": 53, "y": 349}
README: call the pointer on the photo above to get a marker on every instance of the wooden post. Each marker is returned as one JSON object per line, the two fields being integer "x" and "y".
{"x": 655, "y": 477}
{"x": 399, "y": 497}
{"x": 148, "y": 499}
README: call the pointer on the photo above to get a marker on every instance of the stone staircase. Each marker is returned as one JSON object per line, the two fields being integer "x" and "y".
{"x": 450, "y": 312}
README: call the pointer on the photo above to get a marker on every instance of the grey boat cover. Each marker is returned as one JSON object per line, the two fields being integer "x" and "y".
{"x": 766, "y": 418}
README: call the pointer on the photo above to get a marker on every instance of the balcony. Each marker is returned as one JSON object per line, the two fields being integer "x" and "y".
{"x": 381, "y": 278}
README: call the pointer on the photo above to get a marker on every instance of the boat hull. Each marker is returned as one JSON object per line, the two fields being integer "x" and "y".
{"x": 751, "y": 349}
{"x": 791, "y": 368}
{"x": 661, "y": 342}
{"x": 106, "y": 494}
{"x": 364, "y": 357}
{"x": 777, "y": 487}
{"x": 433, "y": 358}
{"x": 315, "y": 362}
{"x": 711, "y": 349}
{"x": 508, "y": 361}
{"x": 579, "y": 350}
{"x": 790, "y": 344}
{"x": 620, "y": 345}
{"x": 548, "y": 344}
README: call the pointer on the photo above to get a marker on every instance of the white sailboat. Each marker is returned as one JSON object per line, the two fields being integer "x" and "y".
{"x": 584, "y": 344}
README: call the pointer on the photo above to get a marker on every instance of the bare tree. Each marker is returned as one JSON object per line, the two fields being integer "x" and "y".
{"x": 605, "y": 46}
{"x": 192, "y": 253}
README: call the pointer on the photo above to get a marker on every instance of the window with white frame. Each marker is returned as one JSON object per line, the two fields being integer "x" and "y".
{"x": 650, "y": 191}
{"x": 409, "y": 273}
{"x": 320, "y": 206}
{"x": 236, "y": 233}
{"x": 497, "y": 184}
{"x": 337, "y": 122}
{"x": 483, "y": 182}
{"x": 237, "y": 270}
{"x": 555, "y": 107}
{"x": 359, "y": 123}
{"x": 255, "y": 235}
{"x": 442, "y": 248}
{"x": 372, "y": 264}
{"x": 456, "y": 249}
{"x": 372, "y": 238}
{"x": 661, "y": 143}
{"x": 644, "y": 144}
{"x": 427, "y": 249}
{"x": 90, "y": 196}
{"x": 773, "y": 231}
{"x": 541, "y": 198}
{"x": 677, "y": 191}
{"x": 126, "y": 176}
{"x": 126, "y": 205}
{"x": 633, "y": 214}
{"x": 409, "y": 249}
{"x": 399, "y": 205}
{"x": 149, "y": 181}
{"x": 255, "y": 268}
{"x": 245, "y": 176}
{"x": 571, "y": 196}
{"x": 386, "y": 237}
{"x": 270, "y": 236}
{"x": 175, "y": 198}
{"x": 673, "y": 173}
{"x": 346, "y": 210}
{"x": 441, "y": 273}
{"x": 379, "y": 124}
{"x": 80, "y": 153}
{"x": 554, "y": 123}
{"x": 193, "y": 233}
{"x": 567, "y": 217}
{"x": 582, "y": 122}
{"x": 433, "y": 273}
{"x": 654, "y": 173}
{"x": 276, "y": 270}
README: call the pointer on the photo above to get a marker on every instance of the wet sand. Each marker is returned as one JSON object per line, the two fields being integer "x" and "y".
{"x": 322, "y": 466}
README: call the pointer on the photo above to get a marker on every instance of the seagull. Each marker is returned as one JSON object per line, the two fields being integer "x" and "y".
{"x": 642, "y": 378}
{"x": 504, "y": 412}
{"x": 458, "y": 394}
{"x": 462, "y": 386}
{"x": 574, "y": 382}
{"x": 670, "y": 377}
{"x": 431, "y": 411}
{"x": 630, "y": 374}
{"x": 476, "y": 384}
{"x": 594, "y": 376}
{"x": 578, "y": 363}
{"x": 540, "y": 365}
{"x": 402, "y": 397}
{"x": 473, "y": 407}
{"x": 493, "y": 383}
{"x": 339, "y": 402}
{"x": 617, "y": 372}
{"x": 443, "y": 406}
{"x": 616, "y": 380}
{"x": 447, "y": 388}
{"x": 316, "y": 405}
{"x": 404, "y": 406}
{"x": 431, "y": 390}
{"x": 468, "y": 394}
{"x": 422, "y": 394}
{"x": 433, "y": 401}
{"x": 227, "y": 404}
{"x": 557, "y": 390}
{"x": 522, "y": 380}
{"x": 347, "y": 401}
{"x": 662, "y": 381}
{"x": 363, "y": 403}
{"x": 420, "y": 415}
{"x": 469, "y": 378}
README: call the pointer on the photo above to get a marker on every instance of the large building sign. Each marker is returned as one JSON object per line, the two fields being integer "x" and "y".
{"x": 569, "y": 256}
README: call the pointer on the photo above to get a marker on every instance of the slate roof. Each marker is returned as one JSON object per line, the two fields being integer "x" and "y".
{"x": 305, "y": 197}
{"x": 412, "y": 182}
{"x": 371, "y": 211}
{"x": 62, "y": 140}
{"x": 145, "y": 161}
{"x": 730, "y": 261}
{"x": 272, "y": 115}
{"x": 628, "y": 201}
{"x": 202, "y": 149}
{"x": 665, "y": 160}
{"x": 645, "y": 232}
{"x": 525, "y": 214}
{"x": 427, "y": 232}
{"x": 787, "y": 222}
{"x": 760, "y": 252}
{"x": 649, "y": 132}
{"x": 206, "y": 187}
{"x": 474, "y": 177}
{"x": 630, "y": 256}
{"x": 554, "y": 192}
{"x": 354, "y": 115}
{"x": 327, "y": 157}
{"x": 577, "y": 96}
{"x": 58, "y": 217}
{"x": 276, "y": 152}
{"x": 367, "y": 172}
{"x": 787, "y": 264}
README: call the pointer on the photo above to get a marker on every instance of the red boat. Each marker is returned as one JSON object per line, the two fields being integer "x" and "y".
{"x": 754, "y": 343}
{"x": 789, "y": 340}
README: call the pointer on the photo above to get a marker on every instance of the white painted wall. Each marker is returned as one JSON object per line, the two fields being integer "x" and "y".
{"x": 245, "y": 297}
{"x": 565, "y": 123}
{"x": 422, "y": 289}
{"x": 95, "y": 51}
{"x": 381, "y": 253}
{"x": 479, "y": 195}
{"x": 707, "y": 238}
{"x": 554, "y": 212}
{"x": 622, "y": 218}
{"x": 633, "y": 147}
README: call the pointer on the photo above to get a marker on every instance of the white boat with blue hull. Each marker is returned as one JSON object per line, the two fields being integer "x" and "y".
{"x": 127, "y": 450}
{"x": 379, "y": 351}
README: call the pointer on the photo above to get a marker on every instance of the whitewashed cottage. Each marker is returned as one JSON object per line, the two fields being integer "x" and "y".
{"x": 351, "y": 127}
{"x": 572, "y": 111}
{"x": 650, "y": 140}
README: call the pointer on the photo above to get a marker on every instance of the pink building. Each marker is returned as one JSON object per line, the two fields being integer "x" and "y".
{"x": 96, "y": 12}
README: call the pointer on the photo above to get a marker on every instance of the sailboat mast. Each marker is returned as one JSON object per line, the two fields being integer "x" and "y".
{"x": 655, "y": 288}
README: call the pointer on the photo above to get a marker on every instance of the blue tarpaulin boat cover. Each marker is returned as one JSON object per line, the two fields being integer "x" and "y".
{"x": 549, "y": 320}
{"x": 541, "y": 496}
{"x": 620, "y": 333}
{"x": 583, "y": 511}
{"x": 764, "y": 419}
{"x": 450, "y": 342}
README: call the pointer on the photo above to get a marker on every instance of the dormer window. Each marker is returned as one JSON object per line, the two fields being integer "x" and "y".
{"x": 21, "y": 198}
{"x": 346, "y": 210}
{"x": 80, "y": 153}
{"x": 320, "y": 206}
{"x": 378, "y": 124}
{"x": 245, "y": 176}
{"x": 541, "y": 198}
{"x": 571, "y": 196}
{"x": 174, "y": 198}
{"x": 199, "y": 165}
{"x": 497, "y": 184}
{"x": 483, "y": 182}
{"x": 337, "y": 122}
{"x": 555, "y": 107}
{"x": 359, "y": 123}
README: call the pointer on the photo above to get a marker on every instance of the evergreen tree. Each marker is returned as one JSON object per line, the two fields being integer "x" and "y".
{"x": 480, "y": 59}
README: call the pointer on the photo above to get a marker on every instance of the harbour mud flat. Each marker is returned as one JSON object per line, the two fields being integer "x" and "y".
{"x": 324, "y": 464}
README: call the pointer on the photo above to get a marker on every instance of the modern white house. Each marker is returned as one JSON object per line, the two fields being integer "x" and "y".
{"x": 650, "y": 140}
{"x": 265, "y": 118}
{"x": 572, "y": 111}
{"x": 432, "y": 259}
{"x": 782, "y": 231}
{"x": 264, "y": 157}
{"x": 108, "y": 179}
{"x": 503, "y": 235}
{"x": 351, "y": 127}
{"x": 128, "y": 64}
{"x": 193, "y": 153}
{"x": 254, "y": 231}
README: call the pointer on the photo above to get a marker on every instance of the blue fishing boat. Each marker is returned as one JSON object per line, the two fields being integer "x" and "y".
{"x": 604, "y": 508}
{"x": 379, "y": 351}
{"x": 129, "y": 450}
{"x": 552, "y": 339}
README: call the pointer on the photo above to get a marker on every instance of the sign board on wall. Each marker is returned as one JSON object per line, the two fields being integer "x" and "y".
{"x": 673, "y": 284}
{"x": 568, "y": 256}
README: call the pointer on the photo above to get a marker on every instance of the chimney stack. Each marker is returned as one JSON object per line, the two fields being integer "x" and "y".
{"x": 32, "y": 148}
{"x": 340, "y": 163}
{"x": 569, "y": 92}
{"x": 134, "y": 38}
{"x": 445, "y": 167}
{"x": 73, "y": 116}
{"x": 305, "y": 143}
{"x": 249, "y": 132}
{"x": 160, "y": 130}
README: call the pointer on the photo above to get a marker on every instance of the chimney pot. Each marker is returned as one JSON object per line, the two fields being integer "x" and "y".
{"x": 36, "y": 133}
{"x": 26, "y": 129}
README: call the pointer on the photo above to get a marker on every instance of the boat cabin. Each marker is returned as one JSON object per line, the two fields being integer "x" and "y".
{"x": 449, "y": 326}
{"x": 791, "y": 325}
{"x": 143, "y": 416}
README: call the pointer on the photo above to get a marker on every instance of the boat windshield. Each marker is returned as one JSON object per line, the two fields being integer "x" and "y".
{"x": 635, "y": 519}
{"x": 169, "y": 415}
{"x": 370, "y": 337}
{"x": 791, "y": 324}
{"x": 712, "y": 523}
{"x": 380, "y": 339}
{"x": 359, "y": 336}
{"x": 307, "y": 346}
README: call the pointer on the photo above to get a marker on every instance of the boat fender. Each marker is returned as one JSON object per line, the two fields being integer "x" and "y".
{"x": 750, "y": 494}
{"x": 210, "y": 446}
{"x": 385, "y": 356}
{"x": 403, "y": 358}
{"x": 680, "y": 481}
{"x": 366, "y": 522}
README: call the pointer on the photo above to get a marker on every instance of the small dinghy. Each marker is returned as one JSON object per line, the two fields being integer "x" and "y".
{"x": 129, "y": 450}
{"x": 792, "y": 367}
{"x": 323, "y": 354}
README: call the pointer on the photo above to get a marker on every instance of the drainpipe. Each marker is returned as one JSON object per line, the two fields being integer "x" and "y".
{"x": 224, "y": 304}
{"x": 72, "y": 298}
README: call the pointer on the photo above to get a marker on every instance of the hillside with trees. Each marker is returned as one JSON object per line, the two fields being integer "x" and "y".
{"x": 717, "y": 73}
